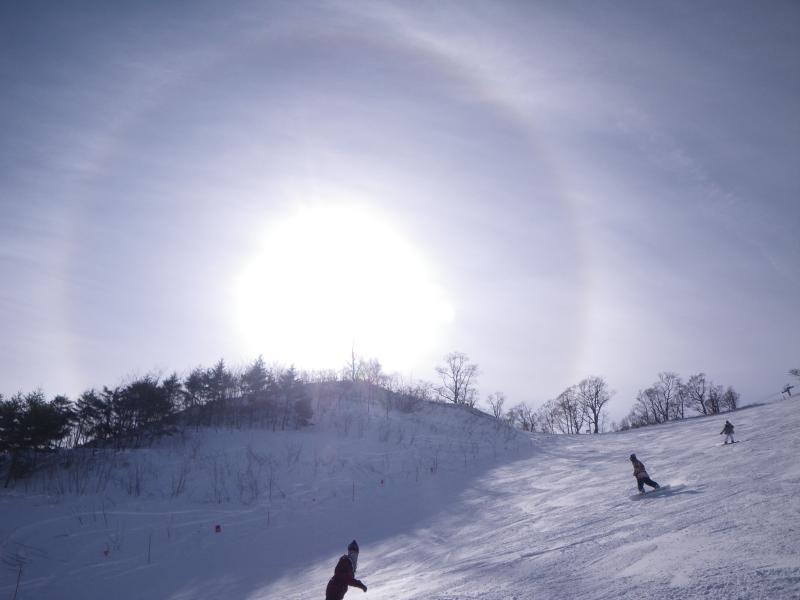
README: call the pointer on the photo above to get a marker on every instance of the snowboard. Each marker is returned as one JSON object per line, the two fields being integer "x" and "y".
{"x": 648, "y": 493}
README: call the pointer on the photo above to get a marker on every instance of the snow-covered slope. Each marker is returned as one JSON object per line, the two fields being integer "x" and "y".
{"x": 445, "y": 505}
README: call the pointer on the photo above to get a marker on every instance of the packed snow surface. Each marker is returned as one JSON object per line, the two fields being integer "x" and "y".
{"x": 445, "y": 504}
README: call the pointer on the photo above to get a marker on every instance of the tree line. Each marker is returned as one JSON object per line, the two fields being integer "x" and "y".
{"x": 671, "y": 398}
{"x": 137, "y": 412}
{"x": 147, "y": 407}
{"x": 581, "y": 407}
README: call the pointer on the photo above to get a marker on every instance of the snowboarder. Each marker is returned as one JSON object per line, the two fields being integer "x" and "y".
{"x": 641, "y": 475}
{"x": 344, "y": 575}
{"x": 728, "y": 431}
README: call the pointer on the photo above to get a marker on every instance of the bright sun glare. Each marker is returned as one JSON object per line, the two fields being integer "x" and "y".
{"x": 328, "y": 278}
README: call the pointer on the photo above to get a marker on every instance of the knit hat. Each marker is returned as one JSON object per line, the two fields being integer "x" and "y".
{"x": 633, "y": 457}
{"x": 352, "y": 546}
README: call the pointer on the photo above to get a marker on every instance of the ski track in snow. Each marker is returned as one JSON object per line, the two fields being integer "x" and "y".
{"x": 445, "y": 507}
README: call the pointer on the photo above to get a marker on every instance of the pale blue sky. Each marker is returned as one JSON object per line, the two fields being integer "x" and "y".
{"x": 600, "y": 187}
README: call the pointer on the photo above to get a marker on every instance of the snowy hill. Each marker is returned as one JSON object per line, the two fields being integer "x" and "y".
{"x": 445, "y": 505}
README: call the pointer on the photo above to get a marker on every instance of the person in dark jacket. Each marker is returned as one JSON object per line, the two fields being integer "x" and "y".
{"x": 641, "y": 475}
{"x": 728, "y": 431}
{"x": 344, "y": 575}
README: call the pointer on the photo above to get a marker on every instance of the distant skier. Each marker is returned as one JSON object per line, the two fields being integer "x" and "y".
{"x": 344, "y": 575}
{"x": 641, "y": 475}
{"x": 728, "y": 431}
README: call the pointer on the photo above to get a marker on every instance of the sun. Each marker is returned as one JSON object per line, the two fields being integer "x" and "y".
{"x": 328, "y": 278}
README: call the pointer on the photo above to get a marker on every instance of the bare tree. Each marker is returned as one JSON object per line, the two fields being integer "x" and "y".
{"x": 644, "y": 411}
{"x": 593, "y": 395}
{"x": 512, "y": 416}
{"x": 714, "y": 399}
{"x": 667, "y": 387}
{"x": 697, "y": 392}
{"x": 681, "y": 400}
{"x": 352, "y": 370}
{"x": 525, "y": 415}
{"x": 569, "y": 414}
{"x": 458, "y": 379}
{"x": 546, "y": 417}
{"x": 665, "y": 399}
{"x": 372, "y": 372}
{"x": 496, "y": 401}
{"x": 730, "y": 399}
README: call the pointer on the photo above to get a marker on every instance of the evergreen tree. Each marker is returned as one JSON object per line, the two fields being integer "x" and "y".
{"x": 195, "y": 389}
{"x": 254, "y": 380}
{"x": 295, "y": 403}
{"x": 29, "y": 424}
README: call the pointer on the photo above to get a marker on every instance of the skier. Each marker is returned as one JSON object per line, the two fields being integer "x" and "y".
{"x": 641, "y": 475}
{"x": 344, "y": 575}
{"x": 728, "y": 431}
